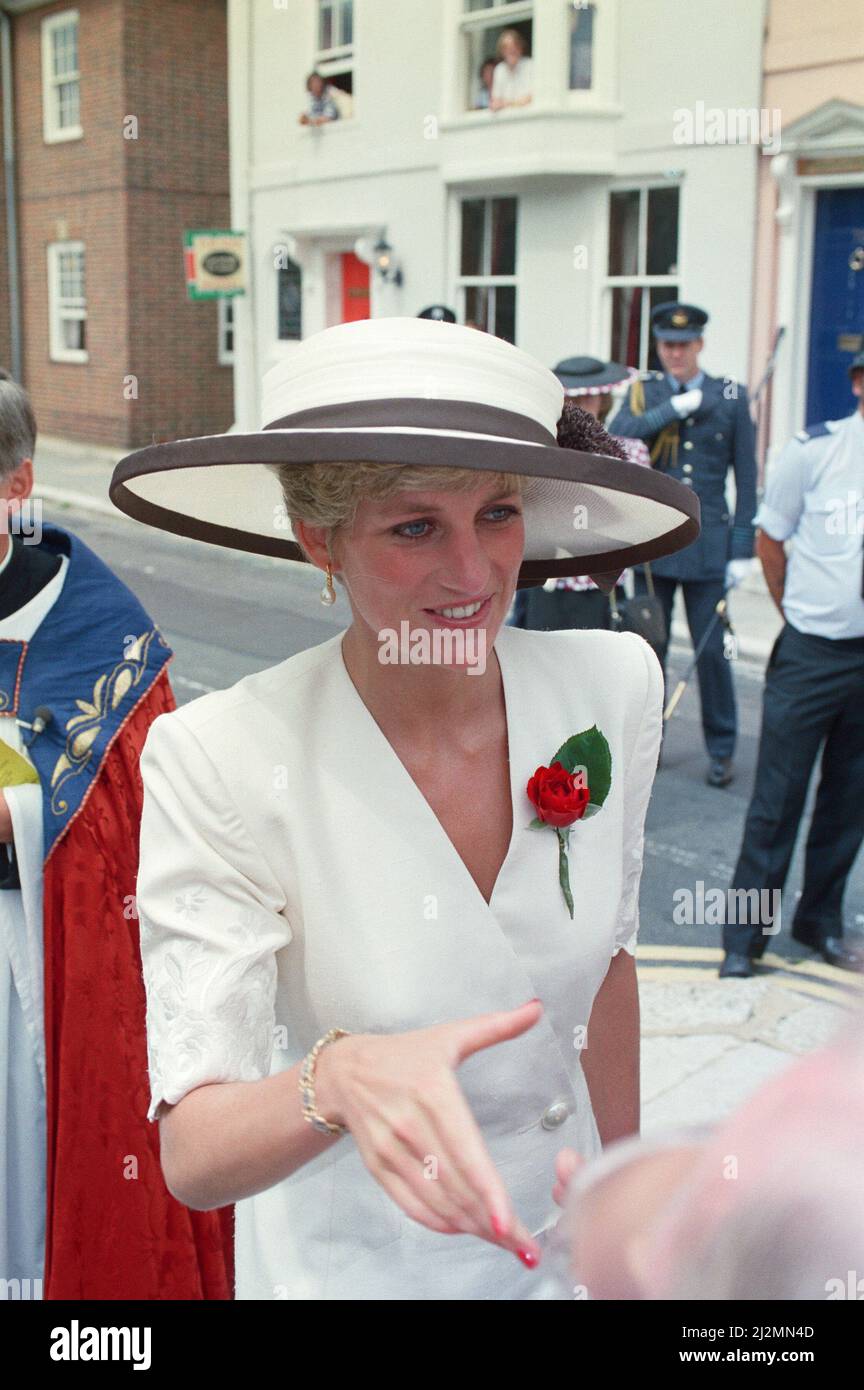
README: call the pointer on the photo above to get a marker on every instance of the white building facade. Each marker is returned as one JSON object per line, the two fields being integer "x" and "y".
{"x": 557, "y": 224}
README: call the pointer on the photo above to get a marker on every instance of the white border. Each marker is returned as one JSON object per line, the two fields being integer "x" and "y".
{"x": 56, "y": 351}
{"x": 52, "y": 134}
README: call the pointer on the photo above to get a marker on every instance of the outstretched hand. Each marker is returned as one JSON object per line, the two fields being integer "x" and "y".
{"x": 400, "y": 1098}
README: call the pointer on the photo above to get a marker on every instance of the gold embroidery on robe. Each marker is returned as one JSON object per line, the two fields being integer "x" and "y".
{"x": 9, "y": 704}
{"x": 83, "y": 729}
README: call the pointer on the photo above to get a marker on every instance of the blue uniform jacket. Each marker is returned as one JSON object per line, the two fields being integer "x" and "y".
{"x": 718, "y": 436}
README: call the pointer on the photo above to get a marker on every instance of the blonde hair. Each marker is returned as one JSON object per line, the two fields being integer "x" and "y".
{"x": 328, "y": 494}
{"x": 515, "y": 36}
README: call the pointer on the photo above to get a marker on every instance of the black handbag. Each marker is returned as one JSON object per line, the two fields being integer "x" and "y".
{"x": 643, "y": 613}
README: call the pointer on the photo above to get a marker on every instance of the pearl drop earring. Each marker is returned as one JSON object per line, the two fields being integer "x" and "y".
{"x": 328, "y": 593}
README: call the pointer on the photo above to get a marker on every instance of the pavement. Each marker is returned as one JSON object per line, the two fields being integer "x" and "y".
{"x": 706, "y": 1043}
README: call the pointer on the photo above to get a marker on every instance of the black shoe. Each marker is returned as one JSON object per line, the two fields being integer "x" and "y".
{"x": 835, "y": 951}
{"x": 741, "y": 967}
{"x": 720, "y": 772}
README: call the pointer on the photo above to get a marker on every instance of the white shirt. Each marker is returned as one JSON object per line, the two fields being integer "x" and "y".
{"x": 508, "y": 84}
{"x": 293, "y": 878}
{"x": 815, "y": 496}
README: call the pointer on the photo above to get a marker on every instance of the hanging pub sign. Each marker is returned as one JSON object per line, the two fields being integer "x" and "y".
{"x": 215, "y": 263}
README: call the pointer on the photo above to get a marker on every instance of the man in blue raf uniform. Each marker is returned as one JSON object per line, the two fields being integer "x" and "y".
{"x": 697, "y": 427}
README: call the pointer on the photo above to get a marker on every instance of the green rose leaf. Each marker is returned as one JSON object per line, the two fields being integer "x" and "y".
{"x": 590, "y": 750}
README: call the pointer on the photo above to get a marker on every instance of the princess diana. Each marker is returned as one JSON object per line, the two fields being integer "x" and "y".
{"x": 389, "y": 913}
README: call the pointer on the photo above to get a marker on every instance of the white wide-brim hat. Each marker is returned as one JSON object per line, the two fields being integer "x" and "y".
{"x": 413, "y": 391}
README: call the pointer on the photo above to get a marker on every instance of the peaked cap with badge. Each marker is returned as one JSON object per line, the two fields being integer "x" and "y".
{"x": 677, "y": 323}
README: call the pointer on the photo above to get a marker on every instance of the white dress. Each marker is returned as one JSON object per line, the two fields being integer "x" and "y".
{"x": 294, "y": 878}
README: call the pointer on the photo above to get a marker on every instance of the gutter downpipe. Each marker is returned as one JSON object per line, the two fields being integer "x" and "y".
{"x": 14, "y": 281}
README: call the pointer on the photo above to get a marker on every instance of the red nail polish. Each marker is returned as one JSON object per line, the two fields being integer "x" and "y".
{"x": 527, "y": 1258}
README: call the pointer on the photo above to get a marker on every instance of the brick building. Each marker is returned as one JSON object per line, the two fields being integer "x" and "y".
{"x": 119, "y": 130}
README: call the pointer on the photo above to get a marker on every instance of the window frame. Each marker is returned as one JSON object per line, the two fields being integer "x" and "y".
{"x": 57, "y": 312}
{"x": 487, "y": 280}
{"x": 474, "y": 21}
{"x": 339, "y": 58}
{"x": 591, "y": 89}
{"x": 604, "y": 60}
{"x": 225, "y": 324}
{"x": 52, "y": 133}
{"x": 295, "y": 266}
{"x": 641, "y": 279}
{"x": 550, "y": 53}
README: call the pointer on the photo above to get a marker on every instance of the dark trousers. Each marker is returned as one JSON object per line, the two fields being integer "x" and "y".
{"x": 716, "y": 690}
{"x": 814, "y": 696}
{"x": 545, "y": 611}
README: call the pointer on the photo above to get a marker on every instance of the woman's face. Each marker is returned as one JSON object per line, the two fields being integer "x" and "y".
{"x": 416, "y": 552}
{"x": 511, "y": 52}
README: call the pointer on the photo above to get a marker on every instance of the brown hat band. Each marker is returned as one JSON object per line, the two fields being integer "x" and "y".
{"x": 419, "y": 412}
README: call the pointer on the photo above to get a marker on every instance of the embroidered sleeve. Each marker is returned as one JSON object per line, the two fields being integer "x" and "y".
{"x": 638, "y": 781}
{"x": 210, "y": 919}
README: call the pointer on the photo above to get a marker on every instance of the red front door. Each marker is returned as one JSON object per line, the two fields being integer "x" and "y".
{"x": 355, "y": 288}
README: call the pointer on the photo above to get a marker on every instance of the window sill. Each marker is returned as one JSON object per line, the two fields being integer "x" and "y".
{"x": 310, "y": 132}
{"x": 73, "y": 355}
{"x": 58, "y": 137}
{"x": 471, "y": 119}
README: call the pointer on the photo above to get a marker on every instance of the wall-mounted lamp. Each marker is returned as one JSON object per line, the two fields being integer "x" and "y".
{"x": 384, "y": 262}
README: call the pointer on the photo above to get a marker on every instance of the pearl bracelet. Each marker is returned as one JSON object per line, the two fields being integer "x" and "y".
{"x": 307, "y": 1084}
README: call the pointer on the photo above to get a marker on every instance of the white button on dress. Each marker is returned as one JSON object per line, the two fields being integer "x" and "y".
{"x": 555, "y": 1115}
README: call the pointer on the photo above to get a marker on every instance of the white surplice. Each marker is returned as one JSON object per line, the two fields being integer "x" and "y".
{"x": 22, "y": 1023}
{"x": 294, "y": 878}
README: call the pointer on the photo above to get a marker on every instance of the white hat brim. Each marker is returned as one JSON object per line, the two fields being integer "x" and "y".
{"x": 584, "y": 513}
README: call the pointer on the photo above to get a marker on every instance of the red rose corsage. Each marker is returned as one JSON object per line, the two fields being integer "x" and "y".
{"x": 573, "y": 787}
